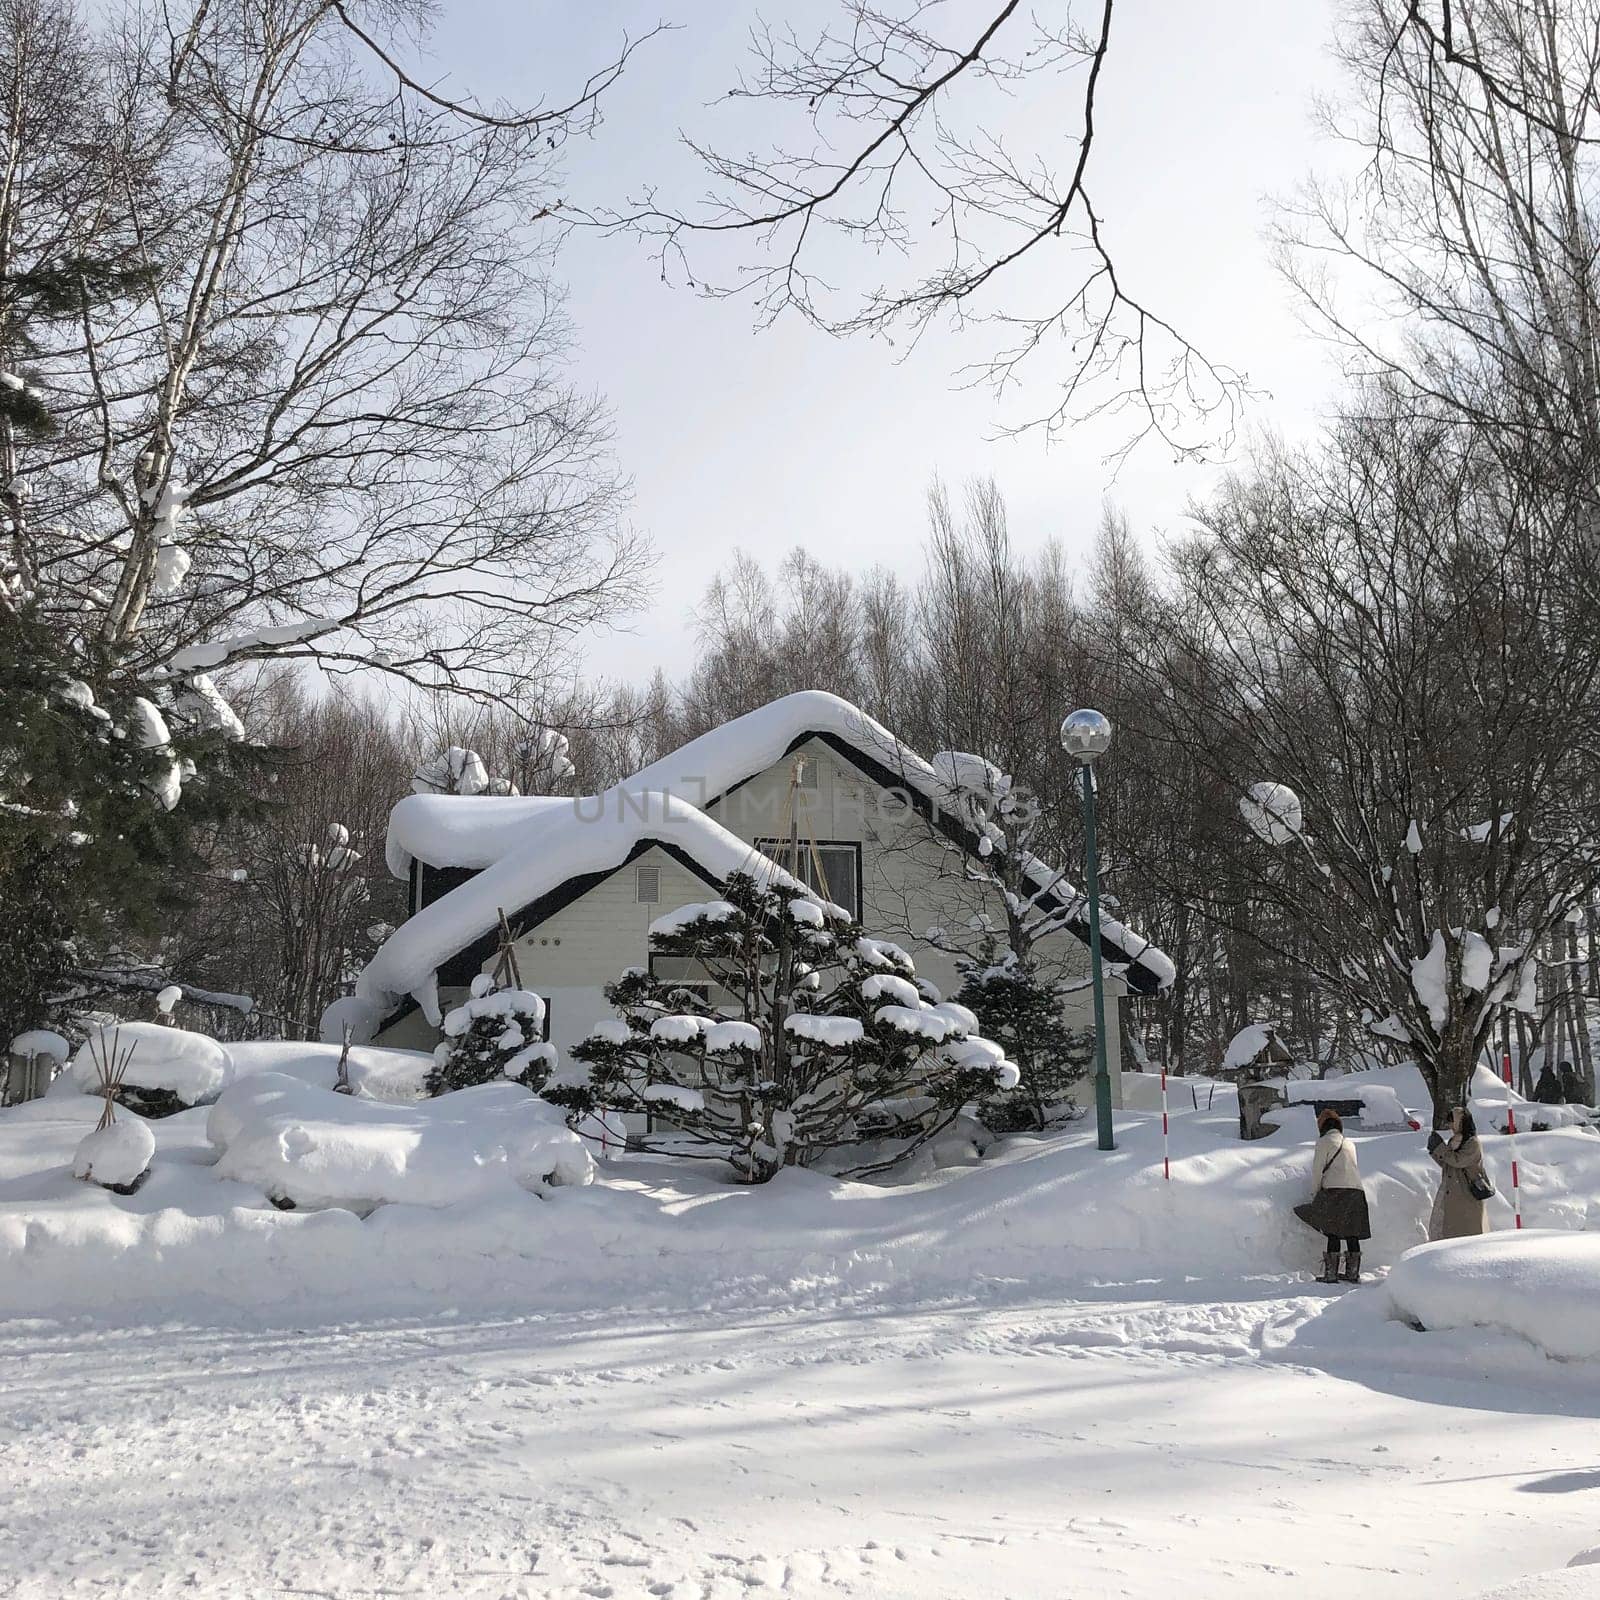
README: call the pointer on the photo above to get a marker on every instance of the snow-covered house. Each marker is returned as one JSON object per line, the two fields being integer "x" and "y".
{"x": 580, "y": 880}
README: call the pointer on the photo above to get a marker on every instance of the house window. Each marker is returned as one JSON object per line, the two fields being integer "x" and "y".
{"x": 839, "y": 879}
{"x": 682, "y": 972}
{"x": 647, "y": 885}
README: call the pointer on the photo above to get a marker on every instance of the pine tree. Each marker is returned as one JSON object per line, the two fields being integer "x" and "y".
{"x": 91, "y": 853}
{"x": 1021, "y": 1010}
{"x": 497, "y": 1033}
{"x": 807, "y": 1040}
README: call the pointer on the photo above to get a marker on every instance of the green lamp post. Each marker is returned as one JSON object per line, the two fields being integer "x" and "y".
{"x": 1085, "y": 736}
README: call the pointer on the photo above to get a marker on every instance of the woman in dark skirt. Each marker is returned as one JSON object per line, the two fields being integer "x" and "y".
{"x": 1338, "y": 1205}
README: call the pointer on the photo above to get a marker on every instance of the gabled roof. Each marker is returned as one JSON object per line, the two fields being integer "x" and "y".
{"x": 476, "y": 830}
{"x": 525, "y": 847}
{"x": 575, "y": 842}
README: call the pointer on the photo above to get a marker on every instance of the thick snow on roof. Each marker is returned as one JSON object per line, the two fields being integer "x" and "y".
{"x": 712, "y": 764}
{"x": 463, "y": 830}
{"x": 550, "y": 840}
{"x": 574, "y": 837}
{"x": 475, "y": 831}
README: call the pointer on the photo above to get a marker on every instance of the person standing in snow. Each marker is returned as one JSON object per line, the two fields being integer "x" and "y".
{"x": 1459, "y": 1208}
{"x": 1547, "y": 1091}
{"x": 1571, "y": 1085}
{"x": 1337, "y": 1208}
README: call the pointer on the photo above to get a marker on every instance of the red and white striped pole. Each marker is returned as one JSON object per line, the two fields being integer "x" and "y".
{"x": 1511, "y": 1129}
{"x": 1166, "y": 1148}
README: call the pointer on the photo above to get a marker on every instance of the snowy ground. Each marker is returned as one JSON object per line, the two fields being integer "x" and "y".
{"x": 1054, "y": 1374}
{"x": 1112, "y": 1444}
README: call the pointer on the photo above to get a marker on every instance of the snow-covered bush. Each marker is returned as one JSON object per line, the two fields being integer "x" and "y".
{"x": 1020, "y": 1008}
{"x": 116, "y": 1156}
{"x": 811, "y": 1040}
{"x": 168, "y": 1069}
{"x": 307, "y": 1147}
{"x": 496, "y": 1033}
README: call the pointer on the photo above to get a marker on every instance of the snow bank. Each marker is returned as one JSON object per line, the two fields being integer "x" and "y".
{"x": 1543, "y": 1285}
{"x": 1141, "y": 1091}
{"x": 191, "y": 1066}
{"x": 1487, "y": 1095}
{"x": 199, "y": 1238}
{"x": 316, "y": 1148}
{"x": 1571, "y": 1583}
{"x": 1381, "y": 1107}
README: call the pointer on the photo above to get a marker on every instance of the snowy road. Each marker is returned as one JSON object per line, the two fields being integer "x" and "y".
{"x": 1100, "y": 1447}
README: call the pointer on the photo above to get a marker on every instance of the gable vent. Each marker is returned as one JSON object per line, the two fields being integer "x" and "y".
{"x": 647, "y": 885}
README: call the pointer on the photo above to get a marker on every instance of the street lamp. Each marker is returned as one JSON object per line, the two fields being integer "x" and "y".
{"x": 1085, "y": 735}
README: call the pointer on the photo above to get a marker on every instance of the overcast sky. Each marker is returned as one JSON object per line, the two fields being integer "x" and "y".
{"x": 764, "y": 440}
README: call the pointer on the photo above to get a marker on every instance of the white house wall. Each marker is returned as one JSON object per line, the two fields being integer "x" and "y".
{"x": 909, "y": 884}
{"x": 571, "y": 955}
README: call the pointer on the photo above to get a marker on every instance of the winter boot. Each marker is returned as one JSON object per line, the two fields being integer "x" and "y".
{"x": 1352, "y": 1266}
{"x": 1330, "y": 1267}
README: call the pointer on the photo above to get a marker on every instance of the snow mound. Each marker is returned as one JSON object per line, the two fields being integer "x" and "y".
{"x": 1573, "y": 1583}
{"x": 1381, "y": 1108}
{"x": 1541, "y": 1284}
{"x": 314, "y": 1148}
{"x": 1487, "y": 1094}
{"x": 192, "y": 1066}
{"x": 374, "y": 1072}
{"x": 115, "y": 1155}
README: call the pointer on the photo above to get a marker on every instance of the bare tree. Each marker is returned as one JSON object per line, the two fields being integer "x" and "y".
{"x": 1472, "y": 222}
{"x": 1389, "y": 630}
{"x": 297, "y": 895}
{"x": 891, "y": 153}
{"x": 331, "y": 424}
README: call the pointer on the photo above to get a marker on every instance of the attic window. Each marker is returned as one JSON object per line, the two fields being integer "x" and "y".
{"x": 647, "y": 885}
{"x": 805, "y": 770}
{"x": 839, "y": 877}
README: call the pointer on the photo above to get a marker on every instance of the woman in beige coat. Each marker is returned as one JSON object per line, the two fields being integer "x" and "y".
{"x": 1457, "y": 1211}
{"x": 1337, "y": 1208}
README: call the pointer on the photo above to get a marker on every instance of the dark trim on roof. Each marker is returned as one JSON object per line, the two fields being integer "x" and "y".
{"x": 458, "y": 970}
{"x": 1140, "y": 979}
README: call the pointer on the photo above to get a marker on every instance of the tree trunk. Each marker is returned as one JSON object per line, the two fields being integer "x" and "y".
{"x": 1454, "y": 1064}
{"x": 1583, "y": 1054}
